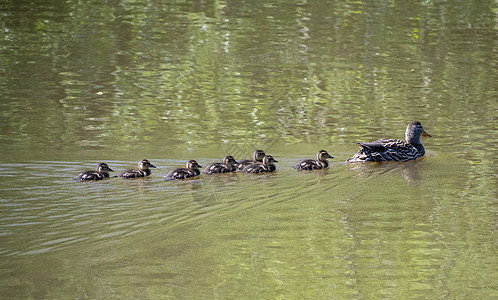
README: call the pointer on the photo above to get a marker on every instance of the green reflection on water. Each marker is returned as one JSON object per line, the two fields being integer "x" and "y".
{"x": 120, "y": 81}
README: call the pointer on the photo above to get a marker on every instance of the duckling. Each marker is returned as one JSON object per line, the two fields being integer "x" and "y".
{"x": 191, "y": 170}
{"x": 257, "y": 158}
{"x": 101, "y": 172}
{"x": 229, "y": 164}
{"x": 311, "y": 164}
{"x": 142, "y": 171}
{"x": 267, "y": 166}
{"x": 394, "y": 150}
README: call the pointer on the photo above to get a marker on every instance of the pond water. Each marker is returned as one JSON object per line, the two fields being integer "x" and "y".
{"x": 118, "y": 81}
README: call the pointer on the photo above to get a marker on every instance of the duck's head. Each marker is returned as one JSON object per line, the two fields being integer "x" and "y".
{"x": 269, "y": 160}
{"x": 229, "y": 160}
{"x": 145, "y": 164}
{"x": 192, "y": 164}
{"x": 103, "y": 167}
{"x": 323, "y": 155}
{"x": 258, "y": 155}
{"x": 414, "y": 131}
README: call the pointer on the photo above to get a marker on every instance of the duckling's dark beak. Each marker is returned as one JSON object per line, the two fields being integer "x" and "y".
{"x": 426, "y": 134}
{"x": 200, "y": 166}
{"x": 151, "y": 166}
{"x": 330, "y": 156}
{"x": 236, "y": 163}
{"x": 110, "y": 170}
{"x": 275, "y": 160}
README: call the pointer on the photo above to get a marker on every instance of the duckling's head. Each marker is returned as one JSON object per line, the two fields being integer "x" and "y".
{"x": 269, "y": 160}
{"x": 192, "y": 164}
{"x": 258, "y": 155}
{"x": 323, "y": 155}
{"x": 103, "y": 167}
{"x": 229, "y": 160}
{"x": 414, "y": 131}
{"x": 145, "y": 164}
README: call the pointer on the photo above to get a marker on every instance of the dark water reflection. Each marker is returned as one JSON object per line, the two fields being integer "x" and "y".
{"x": 113, "y": 81}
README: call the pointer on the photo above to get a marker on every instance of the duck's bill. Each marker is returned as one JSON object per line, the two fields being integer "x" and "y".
{"x": 426, "y": 134}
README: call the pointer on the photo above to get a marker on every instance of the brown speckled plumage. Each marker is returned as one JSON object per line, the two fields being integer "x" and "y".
{"x": 312, "y": 164}
{"x": 100, "y": 173}
{"x": 229, "y": 164}
{"x": 268, "y": 165}
{"x": 142, "y": 171}
{"x": 191, "y": 170}
{"x": 257, "y": 158}
{"x": 393, "y": 150}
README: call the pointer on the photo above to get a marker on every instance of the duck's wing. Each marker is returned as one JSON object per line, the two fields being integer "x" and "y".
{"x": 131, "y": 173}
{"x": 215, "y": 168}
{"x": 378, "y": 145}
{"x": 89, "y": 175}
{"x": 175, "y": 174}
{"x": 254, "y": 168}
{"x": 308, "y": 164}
{"x": 181, "y": 173}
{"x": 244, "y": 163}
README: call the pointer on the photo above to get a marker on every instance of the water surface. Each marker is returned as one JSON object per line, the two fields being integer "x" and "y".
{"x": 115, "y": 82}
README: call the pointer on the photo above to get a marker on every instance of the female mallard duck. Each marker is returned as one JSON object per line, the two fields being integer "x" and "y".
{"x": 394, "y": 150}
{"x": 257, "y": 158}
{"x": 312, "y": 164}
{"x": 191, "y": 170}
{"x": 267, "y": 166}
{"x": 101, "y": 173}
{"x": 142, "y": 171}
{"x": 229, "y": 164}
